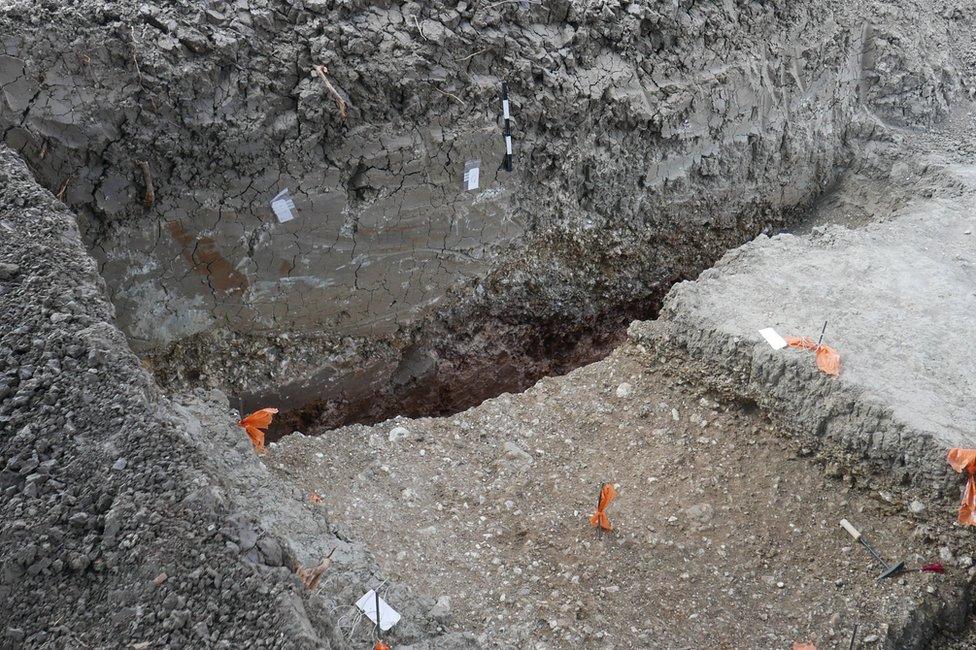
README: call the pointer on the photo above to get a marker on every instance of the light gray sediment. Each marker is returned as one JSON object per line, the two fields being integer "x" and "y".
{"x": 901, "y": 309}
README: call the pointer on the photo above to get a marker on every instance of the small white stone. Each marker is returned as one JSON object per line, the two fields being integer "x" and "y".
{"x": 674, "y": 415}
{"x": 398, "y": 433}
{"x": 916, "y": 506}
{"x": 624, "y": 390}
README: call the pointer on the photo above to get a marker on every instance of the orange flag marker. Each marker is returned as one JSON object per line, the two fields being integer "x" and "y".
{"x": 379, "y": 645}
{"x": 965, "y": 460}
{"x": 256, "y": 425}
{"x": 828, "y": 360}
{"x": 599, "y": 518}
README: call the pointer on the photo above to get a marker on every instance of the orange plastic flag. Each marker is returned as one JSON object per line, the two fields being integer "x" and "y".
{"x": 599, "y": 518}
{"x": 964, "y": 460}
{"x": 379, "y": 645}
{"x": 256, "y": 424}
{"x": 797, "y": 645}
{"x": 828, "y": 360}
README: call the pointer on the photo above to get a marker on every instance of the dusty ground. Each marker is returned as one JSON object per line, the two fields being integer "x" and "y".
{"x": 723, "y": 531}
{"x": 650, "y": 138}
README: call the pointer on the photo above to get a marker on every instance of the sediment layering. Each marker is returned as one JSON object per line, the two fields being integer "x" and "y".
{"x": 650, "y": 139}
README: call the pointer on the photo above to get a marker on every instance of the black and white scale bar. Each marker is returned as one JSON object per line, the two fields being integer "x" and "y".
{"x": 506, "y": 115}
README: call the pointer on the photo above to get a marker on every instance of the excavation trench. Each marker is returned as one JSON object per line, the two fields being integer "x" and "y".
{"x": 549, "y": 349}
{"x": 275, "y": 200}
{"x": 448, "y": 372}
{"x": 386, "y": 286}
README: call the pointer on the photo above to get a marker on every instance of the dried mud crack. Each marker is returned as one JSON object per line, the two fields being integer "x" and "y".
{"x": 207, "y": 208}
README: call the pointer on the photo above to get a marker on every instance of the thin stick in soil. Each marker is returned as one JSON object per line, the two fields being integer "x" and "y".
{"x": 147, "y": 177}
{"x": 323, "y": 72}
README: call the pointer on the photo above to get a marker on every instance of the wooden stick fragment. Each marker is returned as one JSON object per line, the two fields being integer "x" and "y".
{"x": 322, "y": 72}
{"x": 150, "y": 188}
{"x": 64, "y": 188}
{"x": 451, "y": 95}
{"x": 310, "y": 576}
{"x": 473, "y": 54}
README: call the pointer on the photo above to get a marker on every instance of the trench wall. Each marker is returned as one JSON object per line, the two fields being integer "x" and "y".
{"x": 649, "y": 138}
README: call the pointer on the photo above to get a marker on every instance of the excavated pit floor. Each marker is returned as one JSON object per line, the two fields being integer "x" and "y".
{"x": 724, "y": 530}
{"x": 726, "y": 527}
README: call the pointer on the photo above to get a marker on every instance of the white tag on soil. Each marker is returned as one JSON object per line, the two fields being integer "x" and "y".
{"x": 775, "y": 341}
{"x": 388, "y": 616}
{"x": 283, "y": 206}
{"x": 472, "y": 174}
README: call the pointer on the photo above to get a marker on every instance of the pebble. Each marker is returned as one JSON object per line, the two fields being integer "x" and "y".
{"x": 9, "y": 271}
{"x": 119, "y": 465}
{"x": 441, "y": 611}
{"x": 916, "y": 506}
{"x": 79, "y": 519}
{"x": 624, "y": 390}
{"x": 398, "y": 433}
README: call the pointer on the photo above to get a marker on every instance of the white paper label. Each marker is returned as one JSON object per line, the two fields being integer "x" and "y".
{"x": 775, "y": 341}
{"x": 472, "y": 175}
{"x": 505, "y": 108}
{"x": 508, "y": 145}
{"x": 283, "y": 206}
{"x": 388, "y": 616}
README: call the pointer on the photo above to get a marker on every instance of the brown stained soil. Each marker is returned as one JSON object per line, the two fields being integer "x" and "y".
{"x": 204, "y": 257}
{"x": 725, "y": 535}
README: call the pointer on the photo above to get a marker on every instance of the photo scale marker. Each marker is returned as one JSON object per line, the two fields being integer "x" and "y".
{"x": 507, "y": 132}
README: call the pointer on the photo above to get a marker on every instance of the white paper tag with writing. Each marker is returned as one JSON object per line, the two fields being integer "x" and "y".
{"x": 775, "y": 341}
{"x": 388, "y": 616}
{"x": 283, "y": 206}
{"x": 472, "y": 174}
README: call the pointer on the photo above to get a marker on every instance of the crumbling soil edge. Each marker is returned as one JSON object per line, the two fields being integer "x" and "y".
{"x": 741, "y": 369}
{"x": 114, "y": 496}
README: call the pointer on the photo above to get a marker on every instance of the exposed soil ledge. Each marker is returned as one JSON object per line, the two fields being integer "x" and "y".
{"x": 899, "y": 300}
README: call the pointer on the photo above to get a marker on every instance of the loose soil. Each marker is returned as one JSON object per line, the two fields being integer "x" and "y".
{"x": 723, "y": 530}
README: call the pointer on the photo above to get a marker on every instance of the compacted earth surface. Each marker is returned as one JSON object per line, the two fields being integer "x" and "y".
{"x": 724, "y": 528}
{"x": 151, "y": 295}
